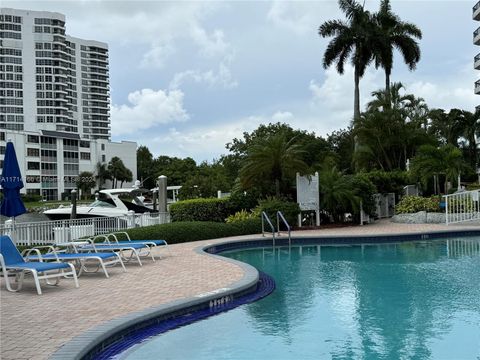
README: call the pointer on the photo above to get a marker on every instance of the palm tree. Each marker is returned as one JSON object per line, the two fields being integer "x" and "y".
{"x": 433, "y": 161}
{"x": 337, "y": 193}
{"x": 102, "y": 174}
{"x": 275, "y": 159}
{"x": 351, "y": 39}
{"x": 446, "y": 126}
{"x": 470, "y": 123}
{"x": 394, "y": 33}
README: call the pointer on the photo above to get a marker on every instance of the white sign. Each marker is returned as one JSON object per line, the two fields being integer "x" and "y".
{"x": 308, "y": 197}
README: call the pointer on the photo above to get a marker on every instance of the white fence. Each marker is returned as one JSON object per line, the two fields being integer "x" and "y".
{"x": 462, "y": 207}
{"x": 54, "y": 232}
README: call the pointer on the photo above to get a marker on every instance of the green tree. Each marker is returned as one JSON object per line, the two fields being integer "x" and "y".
{"x": 470, "y": 128}
{"x": 118, "y": 171}
{"x": 446, "y": 127}
{"x": 431, "y": 161}
{"x": 85, "y": 182}
{"x": 315, "y": 147}
{"x": 145, "y": 168}
{"x": 276, "y": 159}
{"x": 102, "y": 174}
{"x": 392, "y": 33}
{"x": 175, "y": 169}
{"x": 351, "y": 39}
{"x": 387, "y": 134}
{"x": 337, "y": 193}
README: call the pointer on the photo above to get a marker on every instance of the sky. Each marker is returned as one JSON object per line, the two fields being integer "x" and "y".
{"x": 188, "y": 77}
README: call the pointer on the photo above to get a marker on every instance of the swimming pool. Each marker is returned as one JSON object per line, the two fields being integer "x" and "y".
{"x": 410, "y": 300}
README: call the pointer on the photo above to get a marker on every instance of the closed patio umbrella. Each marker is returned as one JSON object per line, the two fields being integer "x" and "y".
{"x": 11, "y": 182}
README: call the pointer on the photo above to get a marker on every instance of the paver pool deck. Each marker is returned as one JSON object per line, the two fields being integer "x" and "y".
{"x": 34, "y": 327}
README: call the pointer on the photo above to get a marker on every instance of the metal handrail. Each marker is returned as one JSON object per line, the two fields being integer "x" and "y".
{"x": 280, "y": 216}
{"x": 265, "y": 217}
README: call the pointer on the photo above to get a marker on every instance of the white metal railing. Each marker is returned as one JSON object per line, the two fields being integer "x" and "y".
{"x": 462, "y": 247}
{"x": 269, "y": 222}
{"x": 463, "y": 206}
{"x": 281, "y": 217}
{"x": 54, "y": 232}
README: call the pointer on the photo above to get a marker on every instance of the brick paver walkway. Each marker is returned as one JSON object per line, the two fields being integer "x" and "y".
{"x": 33, "y": 327}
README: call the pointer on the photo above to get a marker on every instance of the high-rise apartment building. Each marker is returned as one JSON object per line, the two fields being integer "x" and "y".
{"x": 54, "y": 102}
{"x": 476, "y": 41}
{"x": 49, "y": 80}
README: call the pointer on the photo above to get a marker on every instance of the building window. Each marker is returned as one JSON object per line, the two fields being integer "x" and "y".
{"x": 103, "y": 147}
{"x": 2, "y": 136}
{"x": 85, "y": 156}
{"x": 2, "y": 150}
{"x": 85, "y": 144}
{"x": 33, "y": 165}
{"x": 33, "y": 152}
{"x": 32, "y": 139}
{"x": 103, "y": 158}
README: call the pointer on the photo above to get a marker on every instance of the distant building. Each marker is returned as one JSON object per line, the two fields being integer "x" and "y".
{"x": 55, "y": 101}
{"x": 476, "y": 41}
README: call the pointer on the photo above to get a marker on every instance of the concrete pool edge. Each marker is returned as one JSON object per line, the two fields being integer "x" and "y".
{"x": 83, "y": 344}
{"x": 80, "y": 346}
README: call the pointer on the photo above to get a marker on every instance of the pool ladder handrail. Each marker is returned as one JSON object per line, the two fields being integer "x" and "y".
{"x": 267, "y": 219}
{"x": 280, "y": 216}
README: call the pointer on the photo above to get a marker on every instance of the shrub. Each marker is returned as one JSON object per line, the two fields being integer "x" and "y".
{"x": 413, "y": 204}
{"x": 239, "y": 200}
{"x": 179, "y": 232}
{"x": 388, "y": 182}
{"x": 31, "y": 198}
{"x": 243, "y": 215}
{"x": 364, "y": 189}
{"x": 211, "y": 209}
{"x": 271, "y": 205}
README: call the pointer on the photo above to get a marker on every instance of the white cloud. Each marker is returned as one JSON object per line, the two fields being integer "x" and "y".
{"x": 157, "y": 56}
{"x": 332, "y": 100}
{"x": 282, "y": 116}
{"x": 221, "y": 77}
{"x": 455, "y": 90}
{"x": 147, "y": 109}
{"x": 210, "y": 45}
{"x": 302, "y": 17}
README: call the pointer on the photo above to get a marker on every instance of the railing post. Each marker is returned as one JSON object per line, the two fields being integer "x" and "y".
{"x": 446, "y": 209}
{"x": 131, "y": 219}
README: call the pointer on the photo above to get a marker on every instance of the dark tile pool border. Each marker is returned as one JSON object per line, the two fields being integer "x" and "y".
{"x": 89, "y": 344}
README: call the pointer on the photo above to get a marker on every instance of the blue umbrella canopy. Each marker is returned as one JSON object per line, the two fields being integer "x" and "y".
{"x": 11, "y": 182}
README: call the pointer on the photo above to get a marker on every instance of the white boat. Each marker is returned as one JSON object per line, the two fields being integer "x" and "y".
{"x": 108, "y": 204}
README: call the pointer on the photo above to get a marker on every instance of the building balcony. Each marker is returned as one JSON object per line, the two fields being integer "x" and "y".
{"x": 476, "y": 11}
{"x": 477, "y": 87}
{"x": 477, "y": 62}
{"x": 476, "y": 37}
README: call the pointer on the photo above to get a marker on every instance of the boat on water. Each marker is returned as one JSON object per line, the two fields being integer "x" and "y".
{"x": 110, "y": 203}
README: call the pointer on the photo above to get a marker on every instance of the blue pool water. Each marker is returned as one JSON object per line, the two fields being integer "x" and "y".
{"x": 414, "y": 300}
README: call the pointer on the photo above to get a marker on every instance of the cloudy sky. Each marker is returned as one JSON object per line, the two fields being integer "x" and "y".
{"x": 187, "y": 77}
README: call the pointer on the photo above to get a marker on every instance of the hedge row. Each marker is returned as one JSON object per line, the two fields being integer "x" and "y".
{"x": 200, "y": 210}
{"x": 180, "y": 232}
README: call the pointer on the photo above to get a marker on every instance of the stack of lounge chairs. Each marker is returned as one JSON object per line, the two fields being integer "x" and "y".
{"x": 71, "y": 259}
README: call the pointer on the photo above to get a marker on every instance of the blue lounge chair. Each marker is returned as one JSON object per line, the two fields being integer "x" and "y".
{"x": 12, "y": 262}
{"x": 136, "y": 250}
{"x": 103, "y": 259}
{"x": 128, "y": 240}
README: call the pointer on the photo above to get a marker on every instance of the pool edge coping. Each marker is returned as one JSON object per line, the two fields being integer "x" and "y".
{"x": 80, "y": 345}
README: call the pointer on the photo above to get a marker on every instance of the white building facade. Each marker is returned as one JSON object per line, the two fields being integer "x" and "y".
{"x": 55, "y": 101}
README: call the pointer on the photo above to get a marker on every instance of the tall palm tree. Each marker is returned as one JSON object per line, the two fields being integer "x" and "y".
{"x": 392, "y": 33}
{"x": 470, "y": 124}
{"x": 275, "y": 159}
{"x": 351, "y": 39}
{"x": 445, "y": 160}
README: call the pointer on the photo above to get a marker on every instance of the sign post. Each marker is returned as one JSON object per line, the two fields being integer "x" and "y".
{"x": 308, "y": 196}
